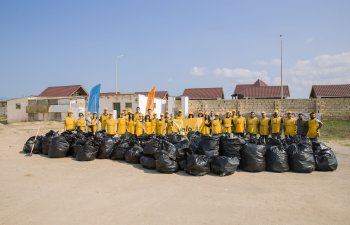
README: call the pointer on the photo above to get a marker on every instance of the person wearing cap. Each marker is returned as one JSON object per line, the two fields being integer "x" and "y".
{"x": 206, "y": 125}
{"x": 137, "y": 114}
{"x": 302, "y": 126}
{"x": 160, "y": 126}
{"x": 200, "y": 114}
{"x": 103, "y": 118}
{"x": 139, "y": 126}
{"x": 276, "y": 124}
{"x": 131, "y": 123}
{"x": 314, "y": 126}
{"x": 148, "y": 125}
{"x": 264, "y": 128}
{"x": 212, "y": 115}
{"x": 126, "y": 114}
{"x": 227, "y": 123}
{"x": 69, "y": 121}
{"x": 81, "y": 123}
{"x": 233, "y": 116}
{"x": 121, "y": 123}
{"x": 169, "y": 123}
{"x": 111, "y": 124}
{"x": 149, "y": 112}
{"x": 94, "y": 122}
{"x": 252, "y": 125}
{"x": 216, "y": 125}
{"x": 239, "y": 124}
{"x": 154, "y": 123}
{"x": 179, "y": 115}
{"x": 290, "y": 125}
{"x": 190, "y": 115}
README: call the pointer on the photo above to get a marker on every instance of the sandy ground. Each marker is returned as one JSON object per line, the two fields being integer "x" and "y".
{"x": 38, "y": 190}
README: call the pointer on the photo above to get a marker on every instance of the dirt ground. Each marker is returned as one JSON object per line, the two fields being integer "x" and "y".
{"x": 38, "y": 190}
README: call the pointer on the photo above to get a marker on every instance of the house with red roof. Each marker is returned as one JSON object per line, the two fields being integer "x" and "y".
{"x": 259, "y": 90}
{"x": 330, "y": 91}
{"x": 216, "y": 93}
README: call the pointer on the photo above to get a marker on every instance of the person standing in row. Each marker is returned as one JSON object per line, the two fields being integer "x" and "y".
{"x": 139, "y": 125}
{"x": 69, "y": 122}
{"x": 216, "y": 125}
{"x": 206, "y": 125}
{"x": 94, "y": 123}
{"x": 81, "y": 123}
{"x": 179, "y": 115}
{"x": 111, "y": 125}
{"x": 154, "y": 123}
{"x": 239, "y": 124}
{"x": 314, "y": 126}
{"x": 169, "y": 123}
{"x": 137, "y": 114}
{"x": 276, "y": 123}
{"x": 103, "y": 119}
{"x": 264, "y": 129}
{"x": 148, "y": 125}
{"x": 200, "y": 114}
{"x": 121, "y": 124}
{"x": 302, "y": 126}
{"x": 161, "y": 125}
{"x": 227, "y": 123}
{"x": 131, "y": 123}
{"x": 252, "y": 125}
{"x": 290, "y": 125}
{"x": 190, "y": 115}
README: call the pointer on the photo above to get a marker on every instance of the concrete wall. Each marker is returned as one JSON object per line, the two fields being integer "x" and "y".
{"x": 337, "y": 108}
{"x": 17, "y": 114}
{"x": 3, "y": 108}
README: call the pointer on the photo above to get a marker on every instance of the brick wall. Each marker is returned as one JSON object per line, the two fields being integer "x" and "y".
{"x": 336, "y": 108}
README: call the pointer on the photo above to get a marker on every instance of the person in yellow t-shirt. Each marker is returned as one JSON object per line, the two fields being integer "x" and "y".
{"x": 111, "y": 124}
{"x": 160, "y": 126}
{"x": 131, "y": 123}
{"x": 139, "y": 126}
{"x": 252, "y": 125}
{"x": 276, "y": 124}
{"x": 239, "y": 124}
{"x": 92, "y": 128}
{"x": 121, "y": 124}
{"x": 179, "y": 115}
{"x": 154, "y": 123}
{"x": 216, "y": 125}
{"x": 206, "y": 125}
{"x": 227, "y": 123}
{"x": 264, "y": 128}
{"x": 81, "y": 123}
{"x": 314, "y": 126}
{"x": 137, "y": 114}
{"x": 169, "y": 123}
{"x": 200, "y": 114}
{"x": 103, "y": 118}
{"x": 148, "y": 125}
{"x": 233, "y": 116}
{"x": 69, "y": 121}
{"x": 290, "y": 125}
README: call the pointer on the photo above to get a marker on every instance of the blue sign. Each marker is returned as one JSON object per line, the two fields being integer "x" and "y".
{"x": 94, "y": 99}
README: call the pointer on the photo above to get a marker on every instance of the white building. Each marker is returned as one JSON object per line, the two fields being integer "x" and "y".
{"x": 16, "y": 110}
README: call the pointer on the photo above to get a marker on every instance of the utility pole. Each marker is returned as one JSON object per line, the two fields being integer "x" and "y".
{"x": 281, "y": 70}
{"x": 116, "y": 73}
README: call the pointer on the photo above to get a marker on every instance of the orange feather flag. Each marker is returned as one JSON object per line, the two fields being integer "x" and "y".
{"x": 150, "y": 99}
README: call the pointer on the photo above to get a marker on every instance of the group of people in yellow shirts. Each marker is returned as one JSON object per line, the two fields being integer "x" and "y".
{"x": 232, "y": 122}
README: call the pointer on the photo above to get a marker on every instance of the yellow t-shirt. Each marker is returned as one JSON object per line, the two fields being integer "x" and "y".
{"x": 313, "y": 125}
{"x": 131, "y": 127}
{"x": 121, "y": 125}
{"x": 70, "y": 123}
{"x": 239, "y": 124}
{"x": 111, "y": 126}
{"x": 290, "y": 127}
{"x": 103, "y": 119}
{"x": 252, "y": 125}
{"x": 138, "y": 128}
{"x": 169, "y": 126}
{"x": 160, "y": 126}
{"x": 276, "y": 125}
{"x": 148, "y": 128}
{"x": 227, "y": 127}
{"x": 216, "y": 126}
{"x": 81, "y": 123}
{"x": 205, "y": 129}
{"x": 264, "y": 126}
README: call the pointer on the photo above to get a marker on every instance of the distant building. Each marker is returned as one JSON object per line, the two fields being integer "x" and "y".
{"x": 204, "y": 93}
{"x": 3, "y": 109}
{"x": 260, "y": 90}
{"x": 64, "y": 91}
{"x": 159, "y": 94}
{"x": 330, "y": 91}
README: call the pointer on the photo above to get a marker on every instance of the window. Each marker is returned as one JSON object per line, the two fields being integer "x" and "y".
{"x": 128, "y": 105}
{"x": 18, "y": 105}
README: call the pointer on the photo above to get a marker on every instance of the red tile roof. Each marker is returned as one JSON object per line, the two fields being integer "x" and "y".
{"x": 335, "y": 90}
{"x": 260, "y": 90}
{"x": 64, "y": 91}
{"x": 159, "y": 94}
{"x": 204, "y": 93}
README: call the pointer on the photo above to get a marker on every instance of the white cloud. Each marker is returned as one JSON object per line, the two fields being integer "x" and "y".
{"x": 242, "y": 75}
{"x": 198, "y": 71}
{"x": 273, "y": 62}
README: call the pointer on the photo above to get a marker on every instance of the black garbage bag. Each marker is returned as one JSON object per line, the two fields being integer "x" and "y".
{"x": 69, "y": 136}
{"x": 168, "y": 149}
{"x": 99, "y": 136}
{"x": 301, "y": 158}
{"x": 148, "y": 162}
{"x": 166, "y": 165}
{"x": 181, "y": 143}
{"x": 59, "y": 147}
{"x": 231, "y": 146}
{"x": 36, "y": 144}
{"x": 277, "y": 159}
{"x": 325, "y": 159}
{"x": 119, "y": 151}
{"x": 209, "y": 145}
{"x": 133, "y": 155}
{"x": 87, "y": 153}
{"x": 253, "y": 158}
{"x": 198, "y": 165}
{"x": 73, "y": 149}
{"x": 80, "y": 138}
{"x": 151, "y": 146}
{"x": 46, "y": 140}
{"x": 182, "y": 163}
{"x": 194, "y": 139}
{"x": 224, "y": 165}
{"x": 274, "y": 141}
{"x": 106, "y": 148}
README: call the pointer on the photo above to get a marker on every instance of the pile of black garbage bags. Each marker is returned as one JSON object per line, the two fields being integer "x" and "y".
{"x": 195, "y": 153}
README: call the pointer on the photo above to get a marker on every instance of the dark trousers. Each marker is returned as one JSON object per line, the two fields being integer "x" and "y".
{"x": 276, "y": 136}
{"x": 240, "y": 134}
{"x": 264, "y": 138}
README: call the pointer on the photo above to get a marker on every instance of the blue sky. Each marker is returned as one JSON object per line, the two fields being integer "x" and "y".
{"x": 172, "y": 44}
